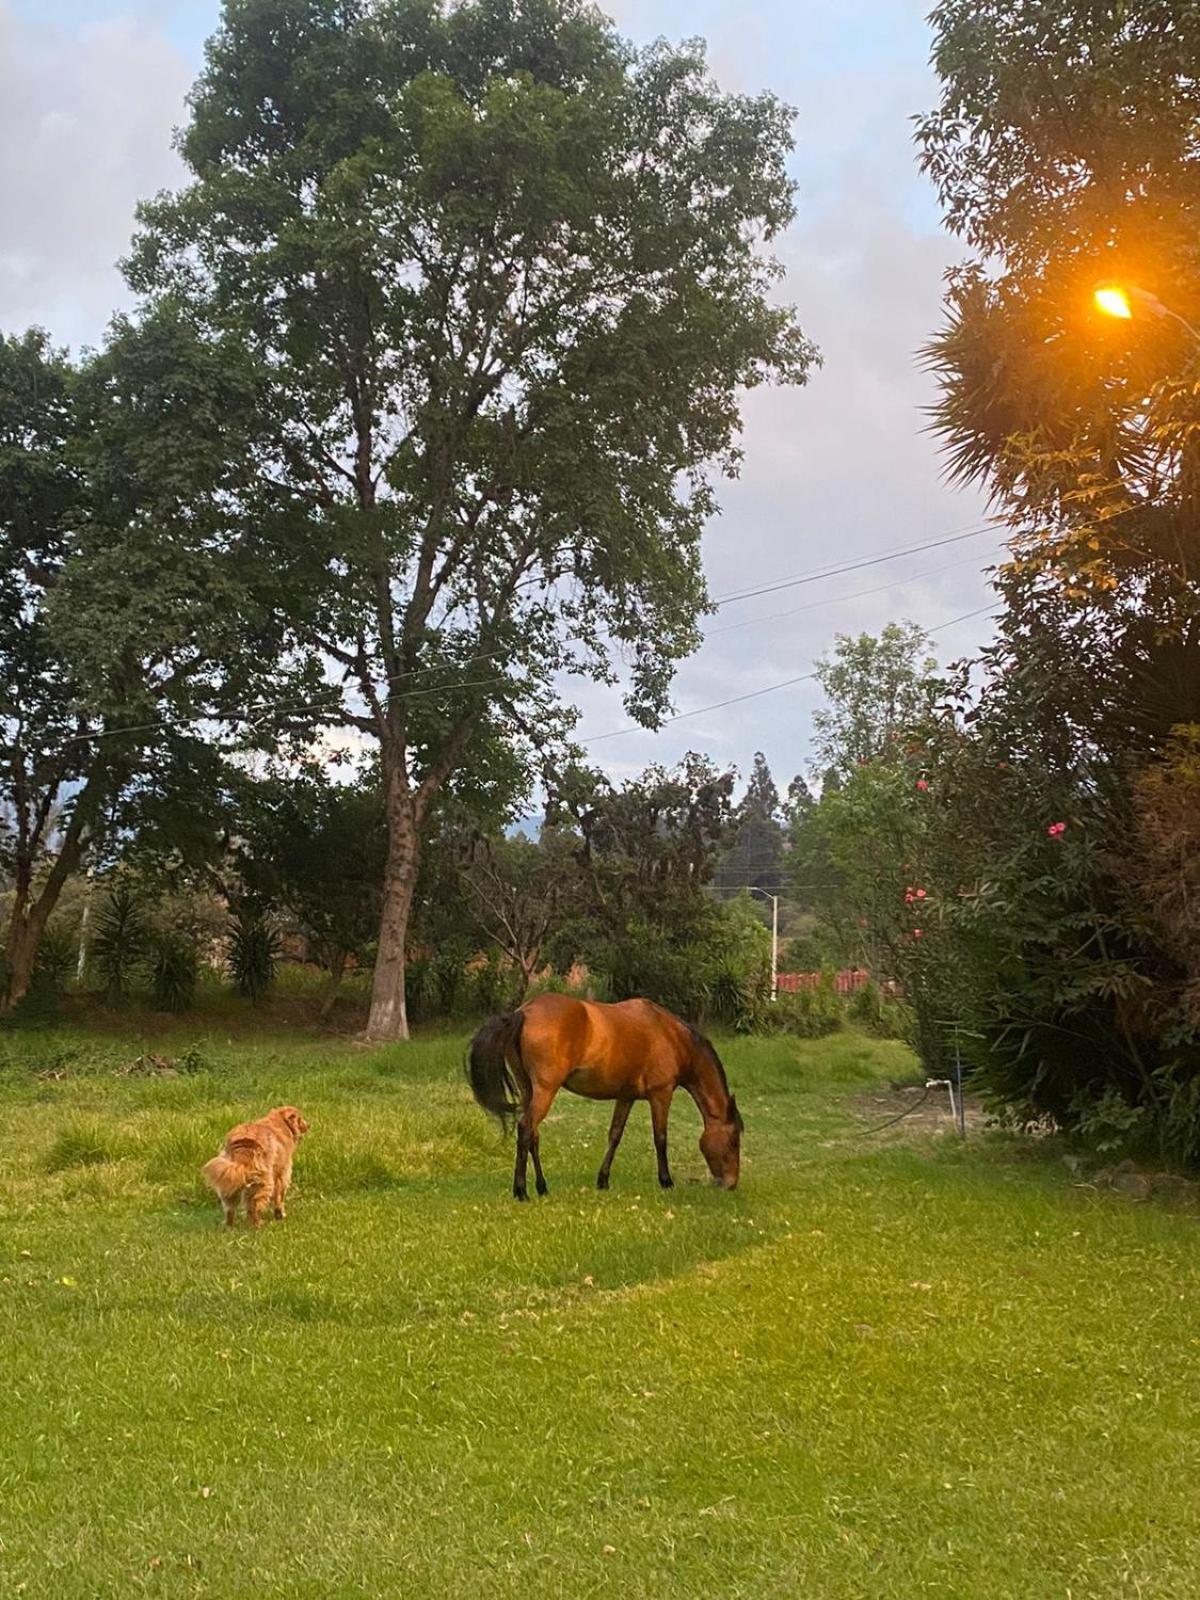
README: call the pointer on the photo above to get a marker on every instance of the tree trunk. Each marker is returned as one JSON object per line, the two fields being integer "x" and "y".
{"x": 528, "y": 965}
{"x": 388, "y": 1018}
{"x": 30, "y": 916}
{"x": 337, "y": 968}
{"x": 24, "y": 936}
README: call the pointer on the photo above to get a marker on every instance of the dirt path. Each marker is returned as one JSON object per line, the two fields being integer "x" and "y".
{"x": 921, "y": 1112}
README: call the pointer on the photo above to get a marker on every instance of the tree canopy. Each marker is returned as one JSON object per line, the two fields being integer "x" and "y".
{"x": 496, "y": 282}
{"x": 1065, "y": 152}
{"x": 877, "y": 689}
{"x": 125, "y": 625}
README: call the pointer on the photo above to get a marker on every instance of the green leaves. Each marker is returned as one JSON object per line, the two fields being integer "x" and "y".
{"x": 495, "y": 282}
{"x": 501, "y": 318}
{"x": 120, "y": 942}
{"x": 879, "y": 690}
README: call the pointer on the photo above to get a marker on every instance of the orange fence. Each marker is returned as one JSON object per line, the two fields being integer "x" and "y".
{"x": 843, "y": 982}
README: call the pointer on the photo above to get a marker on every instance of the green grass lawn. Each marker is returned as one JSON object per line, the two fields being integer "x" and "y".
{"x": 875, "y": 1370}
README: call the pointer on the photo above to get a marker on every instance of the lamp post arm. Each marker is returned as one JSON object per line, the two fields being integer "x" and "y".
{"x": 1151, "y": 302}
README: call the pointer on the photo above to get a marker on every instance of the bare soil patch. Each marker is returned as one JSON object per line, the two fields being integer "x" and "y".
{"x": 919, "y": 1112}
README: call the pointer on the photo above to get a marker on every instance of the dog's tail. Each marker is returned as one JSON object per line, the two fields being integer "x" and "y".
{"x": 499, "y": 1080}
{"x": 229, "y": 1175}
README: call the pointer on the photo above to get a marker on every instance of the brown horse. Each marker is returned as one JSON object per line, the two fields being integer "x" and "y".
{"x": 626, "y": 1052}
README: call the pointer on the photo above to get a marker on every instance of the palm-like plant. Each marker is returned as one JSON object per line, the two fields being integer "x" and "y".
{"x": 120, "y": 942}
{"x": 174, "y": 965}
{"x": 253, "y": 954}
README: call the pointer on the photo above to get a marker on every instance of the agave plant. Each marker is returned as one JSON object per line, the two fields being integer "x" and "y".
{"x": 120, "y": 941}
{"x": 56, "y": 957}
{"x": 174, "y": 965}
{"x": 253, "y": 954}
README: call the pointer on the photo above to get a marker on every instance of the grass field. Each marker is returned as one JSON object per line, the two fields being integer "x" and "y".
{"x": 878, "y": 1369}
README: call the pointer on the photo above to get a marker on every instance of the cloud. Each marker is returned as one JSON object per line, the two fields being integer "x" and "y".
{"x": 86, "y": 114}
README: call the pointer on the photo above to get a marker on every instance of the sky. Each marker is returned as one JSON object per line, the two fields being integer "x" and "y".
{"x": 836, "y": 472}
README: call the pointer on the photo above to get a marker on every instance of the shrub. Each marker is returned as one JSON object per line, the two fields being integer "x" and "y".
{"x": 645, "y": 963}
{"x": 253, "y": 954}
{"x": 730, "y": 994}
{"x": 878, "y": 1014}
{"x": 810, "y": 1014}
{"x": 174, "y": 968}
{"x": 491, "y": 985}
{"x": 593, "y": 988}
{"x": 420, "y": 989}
{"x": 57, "y": 956}
{"x": 448, "y": 980}
{"x": 120, "y": 941}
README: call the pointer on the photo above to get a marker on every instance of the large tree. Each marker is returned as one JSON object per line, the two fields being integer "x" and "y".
{"x": 1066, "y": 152}
{"x": 877, "y": 688}
{"x": 647, "y": 851}
{"x": 500, "y": 280}
{"x": 314, "y": 845}
{"x": 122, "y": 617}
{"x": 46, "y": 800}
{"x": 514, "y": 890}
{"x": 754, "y": 858}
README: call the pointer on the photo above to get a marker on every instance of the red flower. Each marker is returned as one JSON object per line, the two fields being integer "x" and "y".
{"x": 920, "y": 894}
{"x": 922, "y": 785}
{"x": 1056, "y": 829}
{"x": 909, "y": 898}
{"x": 916, "y": 933}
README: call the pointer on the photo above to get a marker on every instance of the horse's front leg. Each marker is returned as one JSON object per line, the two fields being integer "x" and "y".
{"x": 620, "y": 1117}
{"x": 660, "y": 1110}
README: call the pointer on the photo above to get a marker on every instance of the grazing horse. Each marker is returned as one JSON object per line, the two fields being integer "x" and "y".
{"x": 626, "y": 1052}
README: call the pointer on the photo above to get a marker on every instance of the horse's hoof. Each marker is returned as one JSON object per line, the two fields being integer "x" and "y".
{"x": 543, "y": 1188}
{"x": 666, "y": 1183}
{"x": 519, "y": 1194}
{"x": 602, "y": 1182}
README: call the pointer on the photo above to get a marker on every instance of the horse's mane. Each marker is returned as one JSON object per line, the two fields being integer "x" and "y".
{"x": 707, "y": 1050}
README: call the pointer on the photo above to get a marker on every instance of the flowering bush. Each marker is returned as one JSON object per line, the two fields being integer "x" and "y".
{"x": 1044, "y": 904}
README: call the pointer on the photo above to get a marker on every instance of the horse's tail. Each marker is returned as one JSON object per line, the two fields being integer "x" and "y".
{"x": 498, "y": 1077}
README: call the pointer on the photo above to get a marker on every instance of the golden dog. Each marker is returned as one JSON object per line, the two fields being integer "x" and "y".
{"x": 256, "y": 1163}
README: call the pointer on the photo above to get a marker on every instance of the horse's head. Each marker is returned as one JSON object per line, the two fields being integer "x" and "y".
{"x": 721, "y": 1147}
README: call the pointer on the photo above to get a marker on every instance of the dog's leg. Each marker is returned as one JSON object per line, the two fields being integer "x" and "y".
{"x": 256, "y": 1200}
{"x": 283, "y": 1182}
{"x": 229, "y": 1204}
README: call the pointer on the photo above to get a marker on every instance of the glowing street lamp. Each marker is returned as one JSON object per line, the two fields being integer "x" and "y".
{"x": 1123, "y": 300}
{"x": 1113, "y": 301}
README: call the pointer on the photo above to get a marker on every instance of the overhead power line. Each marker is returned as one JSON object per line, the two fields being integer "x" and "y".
{"x": 754, "y": 694}
{"x": 853, "y": 566}
{"x": 840, "y": 599}
{"x": 259, "y": 712}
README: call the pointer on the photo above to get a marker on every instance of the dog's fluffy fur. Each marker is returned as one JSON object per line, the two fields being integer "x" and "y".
{"x": 255, "y": 1164}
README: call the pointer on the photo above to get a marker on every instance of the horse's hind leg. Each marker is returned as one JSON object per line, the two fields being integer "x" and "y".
{"x": 522, "y": 1163}
{"x": 529, "y": 1142}
{"x": 535, "y": 1142}
{"x": 620, "y": 1117}
{"x": 660, "y": 1109}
